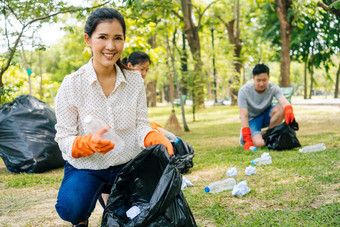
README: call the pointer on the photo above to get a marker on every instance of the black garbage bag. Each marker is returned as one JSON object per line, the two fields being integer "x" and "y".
{"x": 184, "y": 154}
{"x": 153, "y": 184}
{"x": 27, "y": 136}
{"x": 282, "y": 136}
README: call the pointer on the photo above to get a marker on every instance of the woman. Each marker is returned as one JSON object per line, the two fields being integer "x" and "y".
{"x": 105, "y": 89}
{"x": 139, "y": 61}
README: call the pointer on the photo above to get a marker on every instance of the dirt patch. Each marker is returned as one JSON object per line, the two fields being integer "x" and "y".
{"x": 35, "y": 207}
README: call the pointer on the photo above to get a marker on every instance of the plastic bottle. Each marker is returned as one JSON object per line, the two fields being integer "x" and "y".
{"x": 253, "y": 148}
{"x": 218, "y": 186}
{"x": 95, "y": 124}
{"x": 263, "y": 160}
{"x": 313, "y": 148}
{"x": 168, "y": 134}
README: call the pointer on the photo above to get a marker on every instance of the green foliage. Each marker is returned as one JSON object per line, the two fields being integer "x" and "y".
{"x": 335, "y": 5}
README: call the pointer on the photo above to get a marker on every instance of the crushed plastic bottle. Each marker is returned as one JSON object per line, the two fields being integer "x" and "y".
{"x": 241, "y": 189}
{"x": 95, "y": 124}
{"x": 265, "y": 159}
{"x": 250, "y": 170}
{"x": 219, "y": 186}
{"x": 313, "y": 148}
{"x": 232, "y": 172}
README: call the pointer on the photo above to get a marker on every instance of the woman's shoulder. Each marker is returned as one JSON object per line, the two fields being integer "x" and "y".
{"x": 133, "y": 75}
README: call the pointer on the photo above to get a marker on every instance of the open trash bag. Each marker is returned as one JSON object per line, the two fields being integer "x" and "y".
{"x": 27, "y": 136}
{"x": 184, "y": 154}
{"x": 282, "y": 136}
{"x": 150, "y": 186}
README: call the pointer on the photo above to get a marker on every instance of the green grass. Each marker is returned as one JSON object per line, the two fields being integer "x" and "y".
{"x": 295, "y": 190}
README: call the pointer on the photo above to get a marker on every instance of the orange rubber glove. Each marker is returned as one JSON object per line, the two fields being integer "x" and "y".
{"x": 155, "y": 126}
{"x": 153, "y": 138}
{"x": 289, "y": 115}
{"x": 246, "y": 133}
{"x": 84, "y": 146}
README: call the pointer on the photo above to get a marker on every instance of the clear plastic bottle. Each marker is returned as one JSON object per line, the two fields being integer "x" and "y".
{"x": 218, "y": 186}
{"x": 95, "y": 124}
{"x": 265, "y": 159}
{"x": 313, "y": 148}
{"x": 253, "y": 148}
{"x": 167, "y": 134}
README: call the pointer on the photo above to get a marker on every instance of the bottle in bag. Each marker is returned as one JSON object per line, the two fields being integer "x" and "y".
{"x": 265, "y": 159}
{"x": 219, "y": 186}
{"x": 313, "y": 148}
{"x": 95, "y": 124}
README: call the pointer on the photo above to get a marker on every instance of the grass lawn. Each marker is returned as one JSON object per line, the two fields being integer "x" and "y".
{"x": 295, "y": 190}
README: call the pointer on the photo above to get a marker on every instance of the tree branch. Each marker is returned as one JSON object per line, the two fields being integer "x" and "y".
{"x": 201, "y": 15}
{"x": 331, "y": 10}
{"x": 177, "y": 15}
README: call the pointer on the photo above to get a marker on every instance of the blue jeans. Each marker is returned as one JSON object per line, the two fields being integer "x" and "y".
{"x": 80, "y": 190}
{"x": 260, "y": 121}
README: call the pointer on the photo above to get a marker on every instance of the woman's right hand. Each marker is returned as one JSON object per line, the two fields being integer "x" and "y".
{"x": 84, "y": 146}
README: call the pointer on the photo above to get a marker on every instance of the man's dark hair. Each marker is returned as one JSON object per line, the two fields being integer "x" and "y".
{"x": 260, "y": 68}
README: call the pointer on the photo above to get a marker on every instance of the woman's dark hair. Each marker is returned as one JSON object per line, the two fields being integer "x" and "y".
{"x": 102, "y": 15}
{"x": 260, "y": 68}
{"x": 136, "y": 58}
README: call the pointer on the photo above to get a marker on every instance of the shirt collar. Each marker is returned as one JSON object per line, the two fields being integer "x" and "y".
{"x": 91, "y": 75}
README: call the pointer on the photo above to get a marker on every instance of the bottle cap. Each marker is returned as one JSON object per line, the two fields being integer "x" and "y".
{"x": 252, "y": 162}
{"x": 207, "y": 189}
{"x": 88, "y": 119}
{"x": 177, "y": 140}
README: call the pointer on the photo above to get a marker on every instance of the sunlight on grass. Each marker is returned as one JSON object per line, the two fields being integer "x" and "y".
{"x": 296, "y": 189}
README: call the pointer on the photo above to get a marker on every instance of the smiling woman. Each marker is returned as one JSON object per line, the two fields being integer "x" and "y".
{"x": 106, "y": 89}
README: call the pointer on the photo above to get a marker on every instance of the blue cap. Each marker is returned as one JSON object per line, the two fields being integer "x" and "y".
{"x": 177, "y": 140}
{"x": 255, "y": 149}
{"x": 207, "y": 189}
{"x": 252, "y": 162}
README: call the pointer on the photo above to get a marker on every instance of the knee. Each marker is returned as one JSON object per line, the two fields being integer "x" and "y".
{"x": 258, "y": 142}
{"x": 71, "y": 211}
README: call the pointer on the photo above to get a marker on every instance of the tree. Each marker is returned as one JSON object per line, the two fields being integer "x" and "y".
{"x": 285, "y": 19}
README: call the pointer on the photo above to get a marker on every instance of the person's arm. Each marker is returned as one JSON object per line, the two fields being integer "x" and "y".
{"x": 244, "y": 117}
{"x": 246, "y": 133}
{"x": 146, "y": 135}
{"x": 289, "y": 114}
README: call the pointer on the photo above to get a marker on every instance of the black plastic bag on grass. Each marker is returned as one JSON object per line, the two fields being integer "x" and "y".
{"x": 184, "y": 154}
{"x": 282, "y": 136}
{"x": 27, "y": 136}
{"x": 151, "y": 182}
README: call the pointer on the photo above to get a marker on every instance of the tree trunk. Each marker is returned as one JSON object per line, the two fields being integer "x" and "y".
{"x": 184, "y": 66}
{"x": 185, "y": 126}
{"x": 282, "y": 7}
{"x": 336, "y": 92}
{"x": 191, "y": 32}
{"x": 305, "y": 80}
{"x": 41, "y": 77}
{"x": 311, "y": 76}
{"x": 234, "y": 39}
{"x": 151, "y": 93}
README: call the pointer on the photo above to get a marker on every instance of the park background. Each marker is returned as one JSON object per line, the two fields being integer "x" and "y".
{"x": 204, "y": 50}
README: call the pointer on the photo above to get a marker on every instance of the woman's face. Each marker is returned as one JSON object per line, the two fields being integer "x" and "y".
{"x": 143, "y": 68}
{"x": 107, "y": 43}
